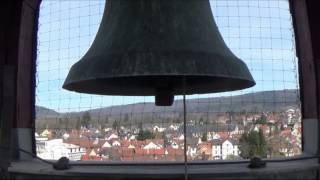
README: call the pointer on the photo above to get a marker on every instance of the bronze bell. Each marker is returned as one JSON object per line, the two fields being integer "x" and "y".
{"x": 146, "y": 47}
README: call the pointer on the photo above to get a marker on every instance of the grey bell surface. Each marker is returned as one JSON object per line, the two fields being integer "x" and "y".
{"x": 147, "y": 47}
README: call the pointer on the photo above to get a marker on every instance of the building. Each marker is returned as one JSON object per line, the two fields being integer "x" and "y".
{"x": 229, "y": 148}
{"x": 55, "y": 149}
{"x": 224, "y": 149}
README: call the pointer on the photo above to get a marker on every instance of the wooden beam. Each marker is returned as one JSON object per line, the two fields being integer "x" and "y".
{"x": 313, "y": 17}
{"x": 10, "y": 14}
{"x": 26, "y": 65}
{"x": 18, "y": 32}
{"x": 7, "y": 113}
{"x": 307, "y": 69}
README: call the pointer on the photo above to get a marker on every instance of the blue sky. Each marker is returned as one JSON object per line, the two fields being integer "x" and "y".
{"x": 258, "y": 31}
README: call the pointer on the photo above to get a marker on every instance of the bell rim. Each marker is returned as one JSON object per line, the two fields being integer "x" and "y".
{"x": 244, "y": 84}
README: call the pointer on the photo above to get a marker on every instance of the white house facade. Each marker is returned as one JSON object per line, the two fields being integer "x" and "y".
{"x": 223, "y": 149}
{"x": 55, "y": 149}
{"x": 229, "y": 148}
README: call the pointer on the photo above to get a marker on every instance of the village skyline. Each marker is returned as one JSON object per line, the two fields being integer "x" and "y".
{"x": 115, "y": 141}
{"x": 151, "y": 135}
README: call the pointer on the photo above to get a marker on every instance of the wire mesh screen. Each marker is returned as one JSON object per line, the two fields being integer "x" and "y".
{"x": 263, "y": 121}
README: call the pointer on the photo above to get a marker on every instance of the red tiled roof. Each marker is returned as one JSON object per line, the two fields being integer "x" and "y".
{"x": 86, "y": 157}
{"x": 205, "y": 148}
{"x": 125, "y": 143}
{"x": 286, "y": 132}
{"x": 86, "y": 143}
{"x": 223, "y": 135}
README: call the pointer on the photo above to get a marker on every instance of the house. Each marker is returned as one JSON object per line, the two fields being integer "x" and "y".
{"x": 106, "y": 144}
{"x": 46, "y": 133}
{"x": 158, "y": 129}
{"x": 55, "y": 149}
{"x": 191, "y": 151}
{"x": 116, "y": 143}
{"x": 216, "y": 149}
{"x": 216, "y": 136}
{"x": 96, "y": 142}
{"x": 204, "y": 149}
{"x": 152, "y": 145}
{"x": 107, "y": 129}
{"x": 112, "y": 136}
{"x": 223, "y": 135}
{"x": 131, "y": 146}
{"x": 173, "y": 127}
{"x": 82, "y": 142}
{"x": 132, "y": 138}
{"x": 266, "y": 129}
{"x": 65, "y": 135}
{"x": 174, "y": 154}
{"x": 174, "y": 145}
{"x": 87, "y": 157}
{"x": 229, "y": 147}
{"x": 199, "y": 141}
{"x": 272, "y": 119}
{"x": 237, "y": 130}
{"x": 222, "y": 149}
{"x": 181, "y": 137}
{"x": 40, "y": 143}
{"x": 127, "y": 154}
{"x": 92, "y": 153}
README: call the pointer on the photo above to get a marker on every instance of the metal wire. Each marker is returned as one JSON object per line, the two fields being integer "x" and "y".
{"x": 185, "y": 129}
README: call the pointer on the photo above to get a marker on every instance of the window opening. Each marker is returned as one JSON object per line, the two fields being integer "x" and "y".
{"x": 264, "y": 120}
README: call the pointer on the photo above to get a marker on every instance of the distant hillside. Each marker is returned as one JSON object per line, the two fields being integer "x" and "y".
{"x": 45, "y": 112}
{"x": 265, "y": 100}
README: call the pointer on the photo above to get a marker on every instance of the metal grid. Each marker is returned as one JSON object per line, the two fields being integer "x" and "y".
{"x": 92, "y": 127}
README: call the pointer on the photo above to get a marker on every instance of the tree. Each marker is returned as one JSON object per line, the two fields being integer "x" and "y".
{"x": 59, "y": 122}
{"x": 106, "y": 120}
{"x": 277, "y": 142}
{"x": 116, "y": 125}
{"x": 140, "y": 125}
{"x": 201, "y": 121}
{"x": 66, "y": 123}
{"x": 244, "y": 146}
{"x": 253, "y": 144}
{"x": 145, "y": 134}
{"x": 231, "y": 115}
{"x": 104, "y": 123}
{"x": 126, "y": 118}
{"x": 86, "y": 119}
{"x": 262, "y": 119}
{"x": 262, "y": 147}
{"x": 158, "y": 135}
{"x": 177, "y": 120}
{"x": 204, "y": 137}
{"x": 165, "y": 139}
{"x": 231, "y": 157}
{"x": 78, "y": 123}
